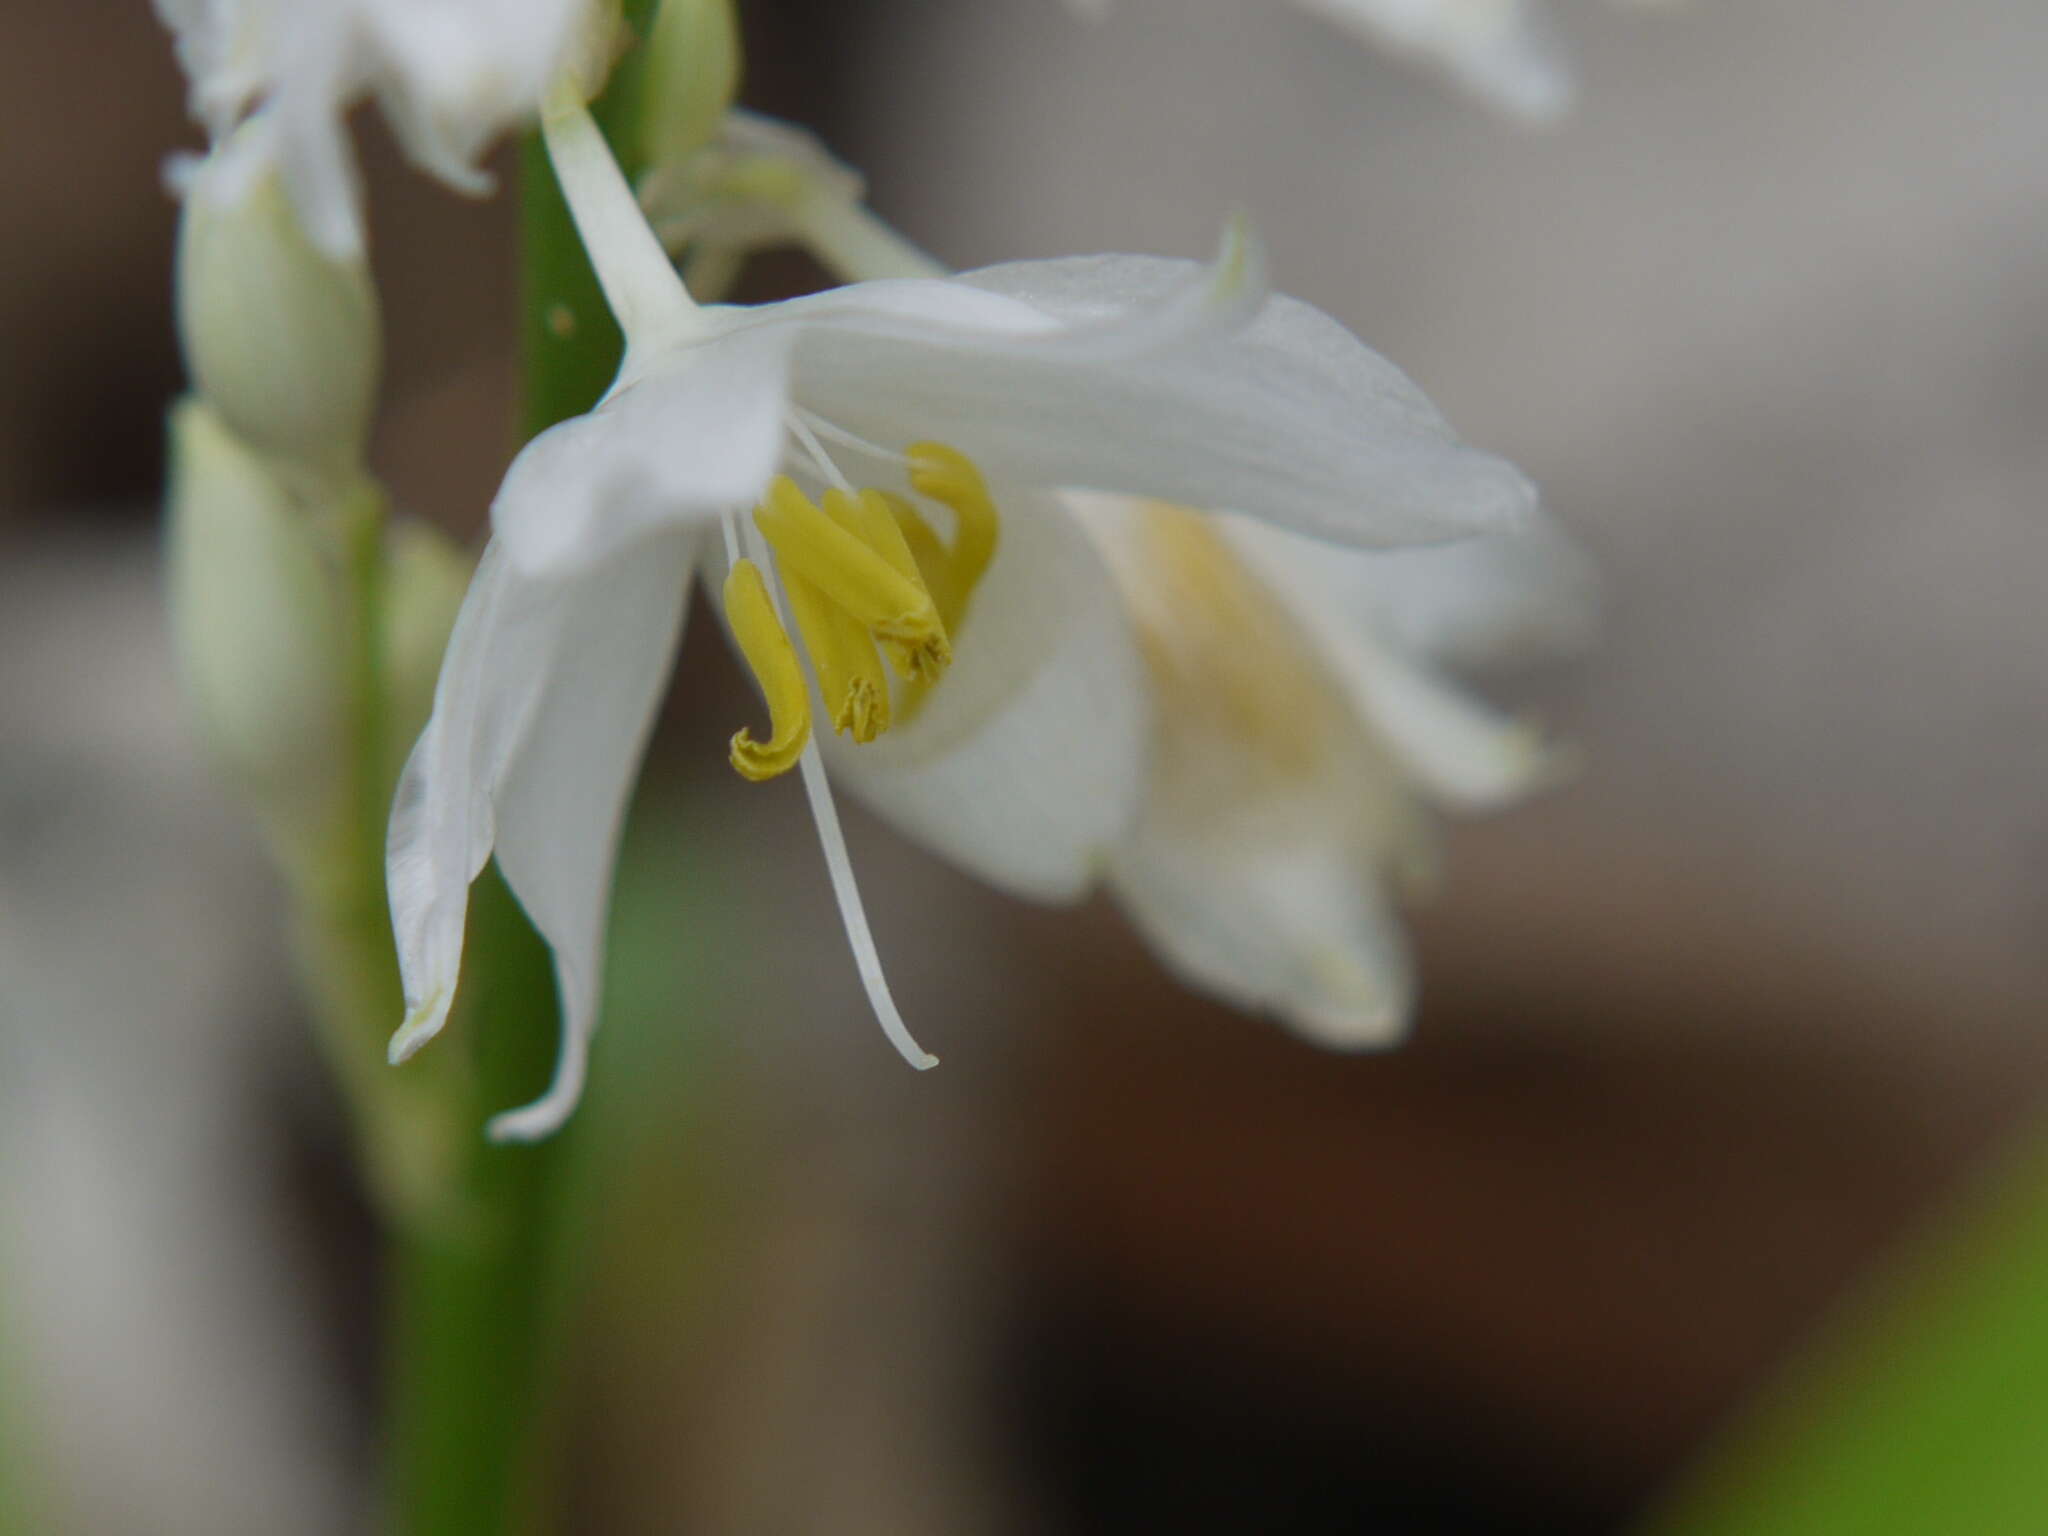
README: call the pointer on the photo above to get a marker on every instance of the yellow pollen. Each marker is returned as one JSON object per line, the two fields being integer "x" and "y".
{"x": 866, "y": 577}
{"x": 765, "y": 644}
{"x": 843, "y": 652}
{"x": 949, "y": 477}
{"x": 854, "y": 576}
{"x": 869, "y": 518}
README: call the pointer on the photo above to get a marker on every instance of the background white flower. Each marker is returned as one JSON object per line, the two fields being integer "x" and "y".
{"x": 448, "y": 75}
{"x": 1307, "y": 741}
{"x": 1507, "y": 53}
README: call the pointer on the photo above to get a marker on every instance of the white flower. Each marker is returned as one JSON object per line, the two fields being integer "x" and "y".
{"x": 449, "y": 75}
{"x": 1303, "y": 741}
{"x": 1027, "y": 759}
{"x": 1505, "y": 52}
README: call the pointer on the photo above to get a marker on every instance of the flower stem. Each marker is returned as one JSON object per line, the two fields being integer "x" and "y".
{"x": 472, "y": 1335}
{"x": 477, "y": 1293}
{"x": 21, "y": 1497}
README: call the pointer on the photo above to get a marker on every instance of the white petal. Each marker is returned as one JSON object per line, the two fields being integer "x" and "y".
{"x": 450, "y": 75}
{"x": 1300, "y": 930}
{"x": 1025, "y": 763}
{"x": 453, "y": 74}
{"x": 564, "y": 798}
{"x": 697, "y": 434}
{"x": 441, "y": 829}
{"x": 1463, "y": 753}
{"x": 1480, "y": 603}
{"x": 1503, "y": 51}
{"x": 1288, "y": 418}
{"x": 546, "y": 696}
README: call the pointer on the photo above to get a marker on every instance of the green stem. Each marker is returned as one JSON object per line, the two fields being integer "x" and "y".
{"x": 472, "y": 1337}
{"x": 477, "y": 1297}
{"x": 21, "y": 1496}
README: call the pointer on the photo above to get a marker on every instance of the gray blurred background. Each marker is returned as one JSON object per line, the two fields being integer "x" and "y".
{"x": 1702, "y": 1036}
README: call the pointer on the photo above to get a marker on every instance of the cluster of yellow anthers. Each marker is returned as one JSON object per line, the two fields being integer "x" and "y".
{"x": 866, "y": 576}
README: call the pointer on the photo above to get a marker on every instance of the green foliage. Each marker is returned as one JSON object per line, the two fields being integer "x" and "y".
{"x": 1924, "y": 1412}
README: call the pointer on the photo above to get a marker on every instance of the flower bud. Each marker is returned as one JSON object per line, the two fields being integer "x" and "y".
{"x": 690, "y": 76}
{"x": 255, "y": 620}
{"x": 281, "y": 339}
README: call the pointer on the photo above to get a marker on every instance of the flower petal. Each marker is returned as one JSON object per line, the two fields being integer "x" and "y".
{"x": 1025, "y": 762}
{"x": 1298, "y": 930}
{"x": 546, "y": 698}
{"x": 1464, "y": 754}
{"x": 697, "y": 434}
{"x": 1288, "y": 418}
{"x": 1483, "y": 603}
{"x": 1507, "y": 53}
{"x": 452, "y": 75}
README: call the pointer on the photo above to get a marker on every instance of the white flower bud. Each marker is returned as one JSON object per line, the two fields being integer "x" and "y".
{"x": 281, "y": 338}
{"x": 690, "y": 76}
{"x": 255, "y": 620}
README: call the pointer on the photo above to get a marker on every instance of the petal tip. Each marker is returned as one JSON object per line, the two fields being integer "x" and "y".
{"x": 423, "y": 1021}
{"x": 535, "y": 1122}
{"x": 1241, "y": 266}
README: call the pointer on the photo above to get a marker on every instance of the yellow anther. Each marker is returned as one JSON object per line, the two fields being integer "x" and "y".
{"x": 849, "y": 667}
{"x": 869, "y": 518}
{"x": 765, "y": 644}
{"x": 949, "y": 477}
{"x": 842, "y": 565}
{"x": 866, "y": 577}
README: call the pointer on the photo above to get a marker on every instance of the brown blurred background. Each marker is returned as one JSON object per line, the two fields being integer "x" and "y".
{"x": 1703, "y": 1034}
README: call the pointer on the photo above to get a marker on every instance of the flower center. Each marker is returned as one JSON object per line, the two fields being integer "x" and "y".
{"x": 866, "y": 576}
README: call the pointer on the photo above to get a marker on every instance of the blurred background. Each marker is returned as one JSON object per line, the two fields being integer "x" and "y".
{"x": 1704, "y": 1035}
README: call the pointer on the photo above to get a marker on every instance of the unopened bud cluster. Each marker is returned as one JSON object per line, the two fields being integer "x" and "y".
{"x": 274, "y": 515}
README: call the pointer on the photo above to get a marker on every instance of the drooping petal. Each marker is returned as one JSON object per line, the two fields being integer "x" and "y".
{"x": 450, "y": 76}
{"x": 1505, "y": 52}
{"x": 564, "y": 799}
{"x": 1288, "y": 418}
{"x": 1478, "y": 604}
{"x": 441, "y": 814}
{"x": 1299, "y": 930}
{"x": 454, "y": 74}
{"x": 1024, "y": 764}
{"x": 546, "y": 697}
{"x": 1464, "y": 754}
{"x": 698, "y": 433}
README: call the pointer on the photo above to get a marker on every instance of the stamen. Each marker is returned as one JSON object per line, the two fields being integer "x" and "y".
{"x": 868, "y": 518}
{"x": 867, "y": 959}
{"x": 849, "y": 667}
{"x": 765, "y": 644}
{"x": 949, "y": 477}
{"x": 845, "y": 439}
{"x": 854, "y": 576}
{"x": 820, "y": 459}
{"x": 934, "y": 560}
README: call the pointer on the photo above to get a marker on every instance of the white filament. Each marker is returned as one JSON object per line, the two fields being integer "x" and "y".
{"x": 819, "y": 457}
{"x": 845, "y": 439}
{"x": 852, "y": 913}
